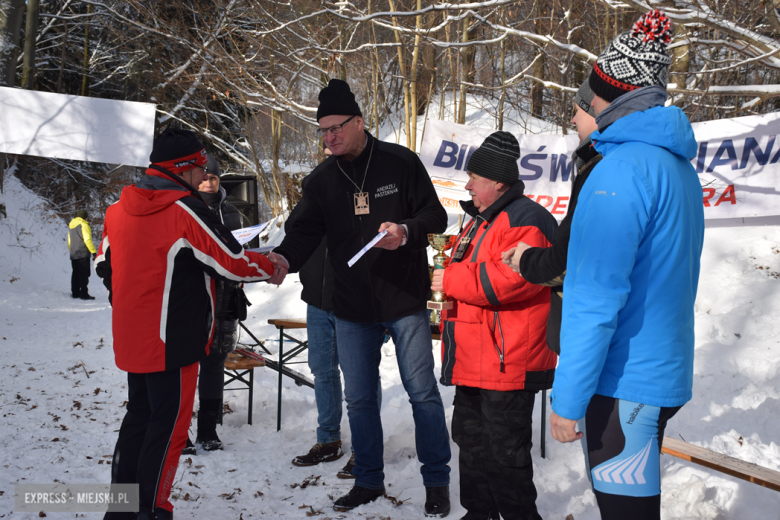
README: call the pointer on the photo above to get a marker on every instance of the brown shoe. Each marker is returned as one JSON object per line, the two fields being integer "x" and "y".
{"x": 326, "y": 452}
{"x": 346, "y": 471}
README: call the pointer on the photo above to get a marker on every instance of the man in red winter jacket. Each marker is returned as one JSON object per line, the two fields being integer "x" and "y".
{"x": 493, "y": 339}
{"x": 162, "y": 247}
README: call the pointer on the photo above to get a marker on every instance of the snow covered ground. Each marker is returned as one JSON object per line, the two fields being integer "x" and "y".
{"x": 61, "y": 397}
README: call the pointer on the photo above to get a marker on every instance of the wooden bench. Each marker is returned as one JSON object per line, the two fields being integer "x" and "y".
{"x": 236, "y": 369}
{"x": 723, "y": 463}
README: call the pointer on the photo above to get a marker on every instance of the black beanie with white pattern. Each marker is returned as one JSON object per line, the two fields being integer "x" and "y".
{"x": 635, "y": 59}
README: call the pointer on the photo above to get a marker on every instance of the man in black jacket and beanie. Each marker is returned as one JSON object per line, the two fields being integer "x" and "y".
{"x": 229, "y": 298}
{"x": 547, "y": 265}
{"x": 366, "y": 187}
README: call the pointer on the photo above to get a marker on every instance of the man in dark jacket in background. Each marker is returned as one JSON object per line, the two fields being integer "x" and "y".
{"x": 547, "y": 265}
{"x": 160, "y": 244}
{"x": 493, "y": 339}
{"x": 316, "y": 277}
{"x": 370, "y": 186}
{"x": 229, "y": 297}
{"x": 81, "y": 248}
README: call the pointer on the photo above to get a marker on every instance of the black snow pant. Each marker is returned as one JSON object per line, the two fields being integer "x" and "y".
{"x": 80, "y": 277}
{"x": 152, "y": 435}
{"x": 493, "y": 431}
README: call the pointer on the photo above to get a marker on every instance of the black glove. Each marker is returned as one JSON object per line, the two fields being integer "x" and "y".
{"x": 94, "y": 255}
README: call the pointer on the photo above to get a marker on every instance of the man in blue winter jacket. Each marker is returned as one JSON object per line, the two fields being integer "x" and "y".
{"x": 627, "y": 340}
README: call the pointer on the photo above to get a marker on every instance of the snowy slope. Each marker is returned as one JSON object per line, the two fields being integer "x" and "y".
{"x": 61, "y": 396}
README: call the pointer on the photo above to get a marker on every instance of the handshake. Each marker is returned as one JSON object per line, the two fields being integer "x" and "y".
{"x": 280, "y": 268}
{"x": 512, "y": 256}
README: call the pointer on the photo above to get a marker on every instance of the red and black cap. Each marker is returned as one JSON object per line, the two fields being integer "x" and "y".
{"x": 178, "y": 151}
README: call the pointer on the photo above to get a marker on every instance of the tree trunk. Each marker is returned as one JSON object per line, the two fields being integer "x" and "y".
{"x": 85, "y": 65}
{"x": 537, "y": 89}
{"x": 502, "y": 68}
{"x": 413, "y": 79}
{"x": 680, "y": 65}
{"x": 10, "y": 27}
{"x": 30, "y": 33}
{"x": 402, "y": 69}
{"x": 467, "y": 67}
{"x": 62, "y": 55}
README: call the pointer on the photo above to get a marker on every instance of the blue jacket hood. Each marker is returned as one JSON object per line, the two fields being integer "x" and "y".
{"x": 665, "y": 127}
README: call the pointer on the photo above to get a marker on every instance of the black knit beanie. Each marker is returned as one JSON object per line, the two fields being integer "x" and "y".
{"x": 212, "y": 166}
{"x": 82, "y": 214}
{"x": 337, "y": 99}
{"x": 635, "y": 59}
{"x": 178, "y": 150}
{"x": 584, "y": 98}
{"x": 496, "y": 158}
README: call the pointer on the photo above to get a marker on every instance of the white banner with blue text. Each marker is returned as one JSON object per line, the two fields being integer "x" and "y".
{"x": 737, "y": 164}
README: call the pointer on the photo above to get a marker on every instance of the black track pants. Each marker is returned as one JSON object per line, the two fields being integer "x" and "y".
{"x": 153, "y": 433}
{"x": 79, "y": 278}
{"x": 493, "y": 431}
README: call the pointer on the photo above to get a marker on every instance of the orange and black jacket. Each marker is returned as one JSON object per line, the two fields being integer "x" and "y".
{"x": 494, "y": 337}
{"x": 162, "y": 247}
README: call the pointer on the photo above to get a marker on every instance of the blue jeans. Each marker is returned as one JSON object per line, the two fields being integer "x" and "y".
{"x": 324, "y": 365}
{"x": 359, "y": 347}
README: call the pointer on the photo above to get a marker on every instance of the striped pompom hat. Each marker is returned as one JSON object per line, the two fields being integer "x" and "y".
{"x": 635, "y": 59}
{"x": 496, "y": 158}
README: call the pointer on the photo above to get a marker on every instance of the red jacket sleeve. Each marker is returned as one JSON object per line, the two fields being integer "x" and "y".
{"x": 488, "y": 281}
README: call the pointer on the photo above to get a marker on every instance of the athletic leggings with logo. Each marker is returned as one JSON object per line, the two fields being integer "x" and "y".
{"x": 623, "y": 445}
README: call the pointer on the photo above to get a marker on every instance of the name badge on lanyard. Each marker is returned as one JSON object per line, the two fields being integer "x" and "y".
{"x": 457, "y": 256}
{"x": 361, "y": 203}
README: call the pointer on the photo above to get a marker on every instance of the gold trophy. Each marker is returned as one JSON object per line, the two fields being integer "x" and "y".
{"x": 440, "y": 243}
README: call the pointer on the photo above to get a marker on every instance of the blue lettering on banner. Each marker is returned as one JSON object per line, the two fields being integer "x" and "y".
{"x": 450, "y": 154}
{"x": 447, "y": 155}
{"x": 727, "y": 147}
{"x": 461, "y": 155}
{"x": 762, "y": 156}
{"x": 702, "y": 156}
{"x": 726, "y": 154}
{"x": 526, "y": 164}
{"x": 559, "y": 163}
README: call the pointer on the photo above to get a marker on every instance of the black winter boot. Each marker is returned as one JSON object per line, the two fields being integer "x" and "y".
{"x": 208, "y": 416}
{"x": 356, "y": 497}
{"x": 437, "y": 501}
{"x": 189, "y": 448}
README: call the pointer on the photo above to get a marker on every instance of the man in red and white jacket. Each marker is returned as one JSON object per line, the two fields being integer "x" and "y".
{"x": 494, "y": 346}
{"x": 162, "y": 247}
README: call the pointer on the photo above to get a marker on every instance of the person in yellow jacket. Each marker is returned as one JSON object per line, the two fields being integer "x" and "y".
{"x": 81, "y": 249}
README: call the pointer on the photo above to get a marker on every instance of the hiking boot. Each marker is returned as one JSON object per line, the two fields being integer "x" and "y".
{"x": 189, "y": 448}
{"x": 86, "y": 297}
{"x": 320, "y": 452}
{"x": 356, "y": 497}
{"x": 208, "y": 416}
{"x": 437, "y": 501}
{"x": 346, "y": 471}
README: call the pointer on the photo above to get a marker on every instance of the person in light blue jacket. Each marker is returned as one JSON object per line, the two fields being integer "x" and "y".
{"x": 627, "y": 340}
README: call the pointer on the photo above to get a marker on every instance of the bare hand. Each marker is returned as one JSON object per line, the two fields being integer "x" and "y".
{"x": 280, "y": 269}
{"x": 563, "y": 429}
{"x": 437, "y": 284}
{"x": 393, "y": 238}
{"x": 512, "y": 257}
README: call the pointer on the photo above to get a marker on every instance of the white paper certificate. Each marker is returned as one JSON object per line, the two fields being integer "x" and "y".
{"x": 366, "y": 248}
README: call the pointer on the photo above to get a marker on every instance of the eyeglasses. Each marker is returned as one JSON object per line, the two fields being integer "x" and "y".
{"x": 335, "y": 129}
